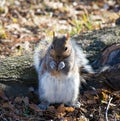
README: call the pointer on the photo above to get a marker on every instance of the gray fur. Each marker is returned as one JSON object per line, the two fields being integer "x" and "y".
{"x": 62, "y": 88}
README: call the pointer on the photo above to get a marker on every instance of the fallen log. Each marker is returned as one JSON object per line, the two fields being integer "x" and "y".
{"x": 18, "y": 73}
{"x": 17, "y": 68}
{"x": 94, "y": 42}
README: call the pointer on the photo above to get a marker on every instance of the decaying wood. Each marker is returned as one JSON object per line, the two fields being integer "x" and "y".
{"x": 19, "y": 71}
{"x": 107, "y": 52}
{"x": 109, "y": 56}
{"x": 109, "y": 66}
{"x": 94, "y": 42}
{"x": 17, "y": 68}
{"x": 17, "y": 74}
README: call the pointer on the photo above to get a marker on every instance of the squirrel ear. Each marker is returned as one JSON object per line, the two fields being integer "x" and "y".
{"x": 67, "y": 36}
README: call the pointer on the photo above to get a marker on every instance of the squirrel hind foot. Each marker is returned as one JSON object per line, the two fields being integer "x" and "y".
{"x": 74, "y": 104}
{"x": 43, "y": 105}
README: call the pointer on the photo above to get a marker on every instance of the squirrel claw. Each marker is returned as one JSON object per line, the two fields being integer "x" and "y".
{"x": 53, "y": 64}
{"x": 61, "y": 65}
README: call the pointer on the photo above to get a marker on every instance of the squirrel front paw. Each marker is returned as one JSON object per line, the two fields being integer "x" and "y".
{"x": 43, "y": 105}
{"x": 61, "y": 65}
{"x": 53, "y": 65}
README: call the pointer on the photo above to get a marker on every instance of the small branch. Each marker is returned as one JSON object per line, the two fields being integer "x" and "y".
{"x": 106, "y": 113}
{"x": 111, "y": 104}
{"x": 115, "y": 118}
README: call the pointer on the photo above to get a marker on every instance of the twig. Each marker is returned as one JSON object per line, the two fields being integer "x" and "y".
{"x": 111, "y": 104}
{"x": 115, "y": 118}
{"x": 106, "y": 113}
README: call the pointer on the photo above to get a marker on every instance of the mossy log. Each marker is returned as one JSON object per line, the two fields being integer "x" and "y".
{"x": 18, "y": 73}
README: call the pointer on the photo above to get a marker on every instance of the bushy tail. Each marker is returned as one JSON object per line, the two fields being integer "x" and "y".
{"x": 39, "y": 53}
{"x": 81, "y": 59}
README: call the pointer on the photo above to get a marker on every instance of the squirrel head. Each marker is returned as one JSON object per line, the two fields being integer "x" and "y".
{"x": 61, "y": 47}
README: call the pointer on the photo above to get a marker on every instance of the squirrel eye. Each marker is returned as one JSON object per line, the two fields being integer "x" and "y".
{"x": 65, "y": 48}
{"x": 52, "y": 47}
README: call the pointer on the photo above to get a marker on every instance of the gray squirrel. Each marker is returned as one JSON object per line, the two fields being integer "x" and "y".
{"x": 58, "y": 69}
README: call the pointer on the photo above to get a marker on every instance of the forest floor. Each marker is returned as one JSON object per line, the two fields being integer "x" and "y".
{"x": 24, "y": 23}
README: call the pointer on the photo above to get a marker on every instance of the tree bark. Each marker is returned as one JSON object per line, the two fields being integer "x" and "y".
{"x": 94, "y": 42}
{"x": 18, "y": 69}
{"x": 18, "y": 73}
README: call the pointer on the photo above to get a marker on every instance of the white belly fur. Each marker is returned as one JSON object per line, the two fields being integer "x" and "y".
{"x": 64, "y": 89}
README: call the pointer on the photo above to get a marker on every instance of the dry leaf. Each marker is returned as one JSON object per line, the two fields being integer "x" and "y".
{"x": 69, "y": 119}
{"x": 101, "y": 119}
{"x": 83, "y": 118}
{"x": 51, "y": 108}
{"x": 34, "y": 107}
{"x": 105, "y": 96}
{"x": 8, "y": 106}
{"x": 117, "y": 116}
{"x": 69, "y": 109}
{"x": 26, "y": 100}
{"x": 90, "y": 94}
{"x": 18, "y": 100}
{"x": 50, "y": 112}
{"x": 61, "y": 109}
